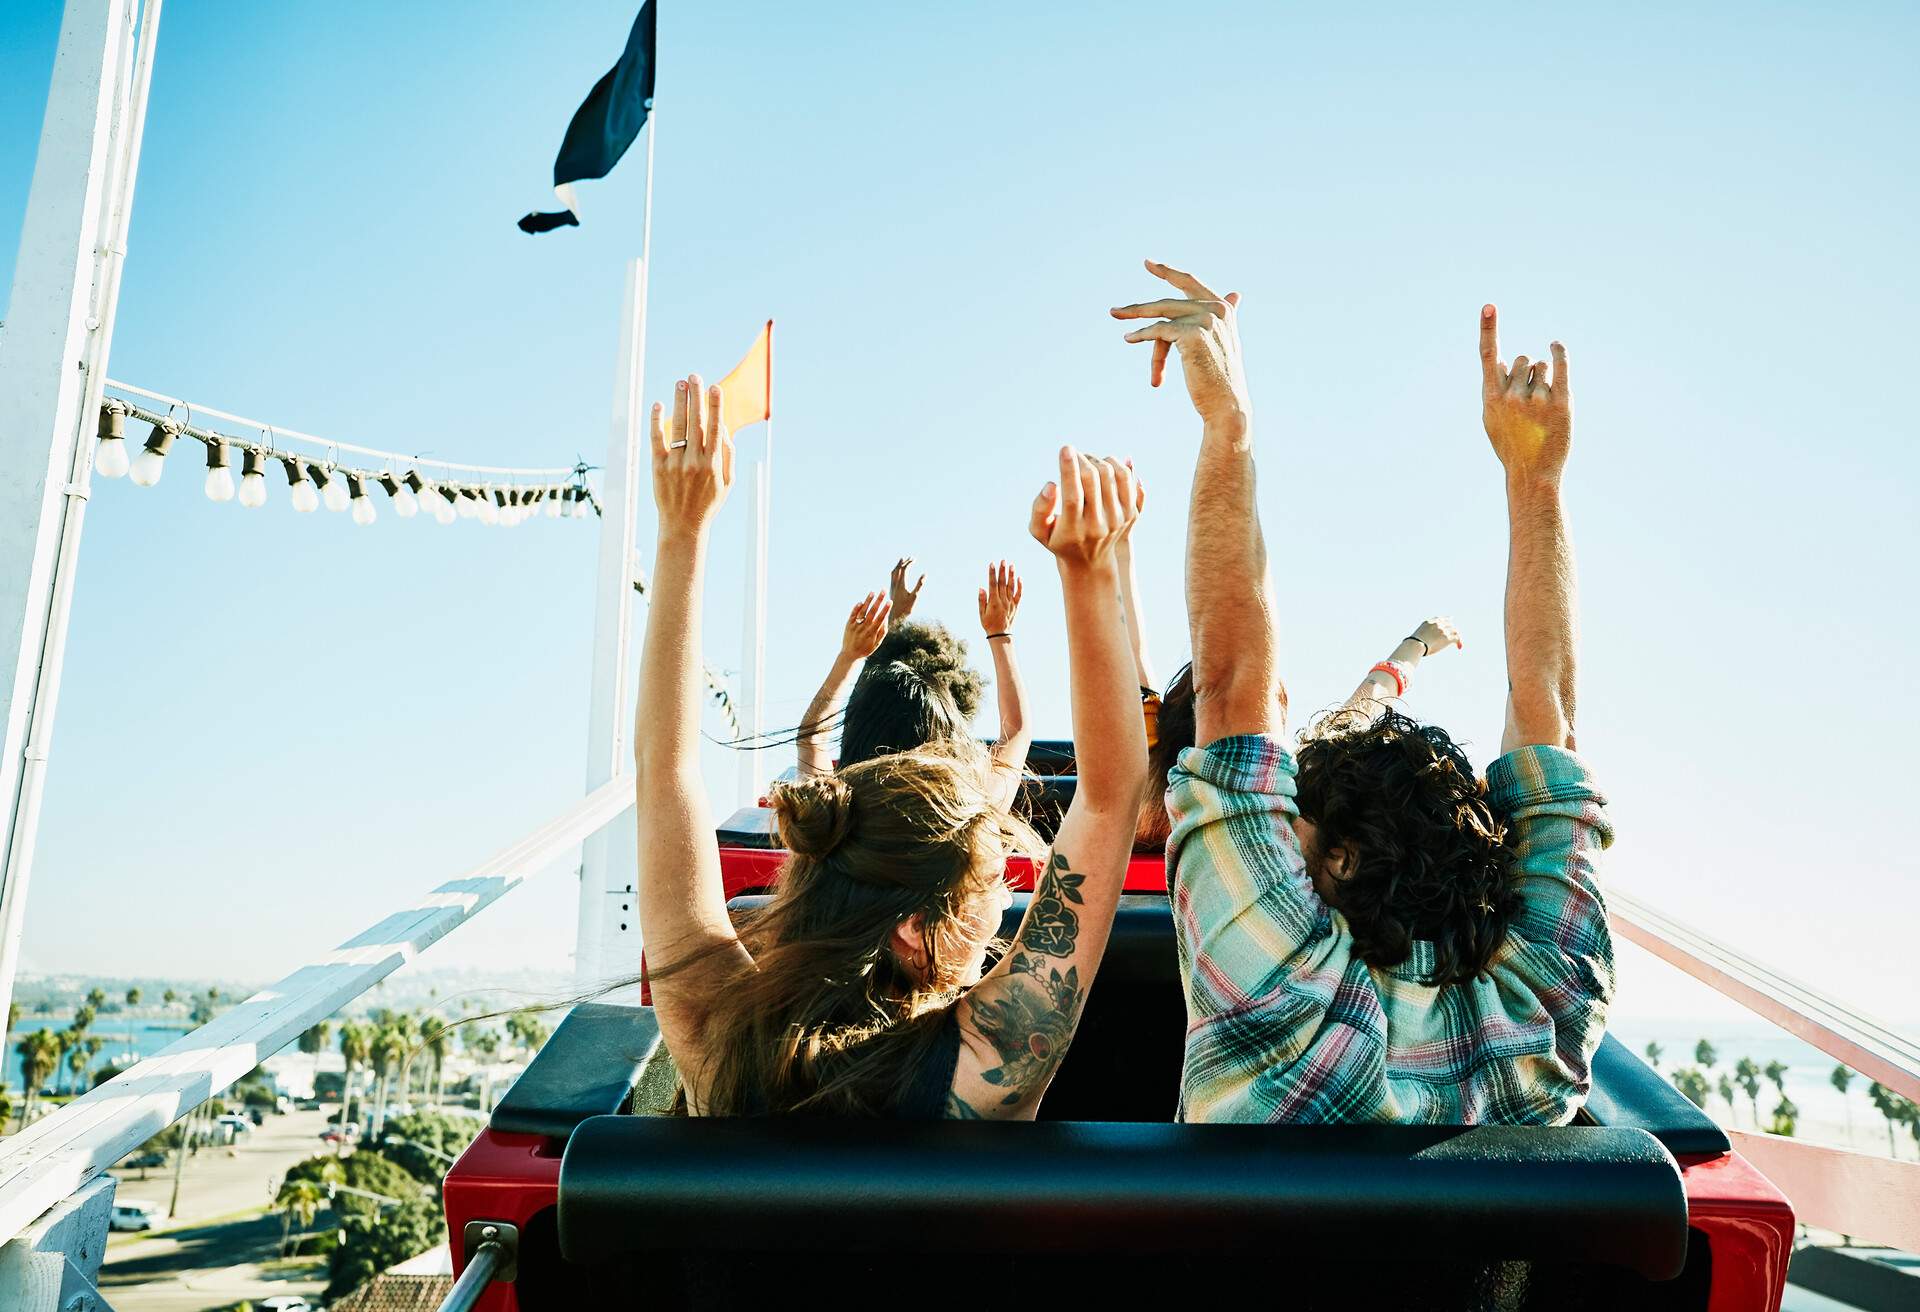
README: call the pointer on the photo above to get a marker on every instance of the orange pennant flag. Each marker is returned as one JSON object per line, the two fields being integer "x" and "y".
{"x": 748, "y": 390}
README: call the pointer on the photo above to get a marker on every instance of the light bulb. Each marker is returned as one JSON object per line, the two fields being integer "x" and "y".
{"x": 468, "y": 505}
{"x": 333, "y": 491}
{"x": 442, "y": 501}
{"x": 553, "y": 502}
{"x": 152, "y": 460}
{"x": 362, "y": 503}
{"x": 304, "y": 498}
{"x": 110, "y": 456}
{"x": 219, "y": 477}
{"x": 404, "y": 504}
{"x": 253, "y": 478}
{"x": 489, "y": 513}
{"x": 580, "y": 503}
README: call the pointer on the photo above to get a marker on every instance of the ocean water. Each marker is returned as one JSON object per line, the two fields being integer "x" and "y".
{"x": 123, "y": 1034}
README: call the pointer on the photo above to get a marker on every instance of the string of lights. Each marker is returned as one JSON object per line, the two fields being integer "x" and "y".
{"x": 504, "y": 497}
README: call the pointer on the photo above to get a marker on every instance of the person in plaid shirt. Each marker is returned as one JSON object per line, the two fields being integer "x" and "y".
{"x": 1367, "y": 932}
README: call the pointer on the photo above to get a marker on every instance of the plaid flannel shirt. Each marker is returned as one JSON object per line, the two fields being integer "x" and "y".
{"x": 1286, "y": 1023}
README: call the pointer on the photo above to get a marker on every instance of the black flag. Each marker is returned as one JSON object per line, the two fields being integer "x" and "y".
{"x": 607, "y": 121}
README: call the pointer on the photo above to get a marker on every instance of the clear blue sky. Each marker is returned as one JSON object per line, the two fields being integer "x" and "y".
{"x": 275, "y": 725}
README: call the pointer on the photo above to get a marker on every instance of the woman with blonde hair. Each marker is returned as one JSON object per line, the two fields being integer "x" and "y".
{"x": 862, "y": 989}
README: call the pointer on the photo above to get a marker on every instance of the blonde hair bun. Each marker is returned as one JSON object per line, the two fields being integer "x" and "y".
{"x": 813, "y": 815}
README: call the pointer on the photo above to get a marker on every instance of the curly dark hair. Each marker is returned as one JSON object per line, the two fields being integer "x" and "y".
{"x": 915, "y": 691}
{"x": 1430, "y": 857}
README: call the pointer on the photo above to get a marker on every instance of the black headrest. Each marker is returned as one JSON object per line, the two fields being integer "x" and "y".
{"x": 1626, "y": 1091}
{"x": 586, "y": 1068}
{"x": 631, "y": 1184}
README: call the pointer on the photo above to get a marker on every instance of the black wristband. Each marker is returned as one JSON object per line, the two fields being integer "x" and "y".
{"x": 1425, "y": 650}
{"x": 992, "y": 636}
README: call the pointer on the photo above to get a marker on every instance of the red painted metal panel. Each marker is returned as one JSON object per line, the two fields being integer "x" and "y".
{"x": 500, "y": 1177}
{"x": 1749, "y": 1228}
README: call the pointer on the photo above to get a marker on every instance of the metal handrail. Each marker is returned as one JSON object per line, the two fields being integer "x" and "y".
{"x": 61, "y": 1153}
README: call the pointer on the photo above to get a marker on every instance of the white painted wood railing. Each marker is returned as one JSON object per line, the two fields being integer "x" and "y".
{"x": 62, "y": 1152}
{"x": 1859, "y": 1194}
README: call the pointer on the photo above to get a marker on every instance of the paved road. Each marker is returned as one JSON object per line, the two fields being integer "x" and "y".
{"x": 204, "y": 1257}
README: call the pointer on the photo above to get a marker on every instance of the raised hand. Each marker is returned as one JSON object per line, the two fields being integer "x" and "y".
{"x": 692, "y": 460}
{"x": 1000, "y": 599}
{"x": 1528, "y": 416}
{"x": 1438, "y": 634}
{"x": 1139, "y": 508}
{"x": 866, "y": 626}
{"x": 1082, "y": 518}
{"x": 899, "y": 595}
{"x": 1206, "y": 330}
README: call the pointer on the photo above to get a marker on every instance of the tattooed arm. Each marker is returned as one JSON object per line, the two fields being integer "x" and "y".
{"x": 1016, "y": 1023}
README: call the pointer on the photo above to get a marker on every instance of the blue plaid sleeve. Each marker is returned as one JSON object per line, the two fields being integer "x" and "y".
{"x": 1557, "y": 826}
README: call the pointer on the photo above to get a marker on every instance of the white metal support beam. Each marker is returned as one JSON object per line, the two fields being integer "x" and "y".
{"x": 63, "y": 1152}
{"x": 607, "y": 941}
{"x": 53, "y": 364}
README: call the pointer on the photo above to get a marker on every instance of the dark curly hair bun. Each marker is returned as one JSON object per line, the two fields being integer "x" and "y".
{"x": 1430, "y": 857}
{"x": 813, "y": 814}
{"x": 936, "y": 656}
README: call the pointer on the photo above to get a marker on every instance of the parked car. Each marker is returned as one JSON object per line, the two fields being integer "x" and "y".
{"x": 332, "y": 1133}
{"x": 133, "y": 1214}
{"x": 235, "y": 1122}
{"x": 256, "y": 1115}
{"x": 145, "y": 1161}
{"x": 283, "y": 1303}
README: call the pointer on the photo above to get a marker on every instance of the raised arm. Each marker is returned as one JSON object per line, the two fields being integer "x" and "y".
{"x": 1236, "y": 678}
{"x": 683, "y": 906}
{"x": 1390, "y": 677}
{"x": 1130, "y": 599}
{"x": 1529, "y": 419}
{"x": 1016, "y": 1023}
{"x": 866, "y": 626}
{"x": 901, "y": 598}
{"x": 999, "y": 603}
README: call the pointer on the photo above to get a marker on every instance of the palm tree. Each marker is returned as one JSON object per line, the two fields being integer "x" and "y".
{"x": 1747, "y": 1075}
{"x": 485, "y": 1042}
{"x": 356, "y": 1046}
{"x": 1842, "y": 1079}
{"x": 313, "y": 1042}
{"x": 78, "y": 1062}
{"x": 1654, "y": 1053}
{"x": 525, "y": 1029}
{"x": 96, "y": 997}
{"x": 1785, "y": 1116}
{"x": 1883, "y": 1100}
{"x": 1693, "y": 1085}
{"x": 63, "y": 1041}
{"x": 83, "y": 1016}
{"x": 1726, "y": 1090}
{"x": 133, "y": 996}
{"x": 13, "y": 1017}
{"x": 301, "y": 1199}
{"x": 389, "y": 1050}
{"x": 93, "y": 1044}
{"x": 39, "y": 1055}
{"x": 1777, "y": 1072}
{"x": 436, "y": 1036}
{"x": 1704, "y": 1054}
{"x": 168, "y": 998}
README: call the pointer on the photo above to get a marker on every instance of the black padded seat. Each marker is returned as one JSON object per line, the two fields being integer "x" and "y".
{"x": 632, "y": 1185}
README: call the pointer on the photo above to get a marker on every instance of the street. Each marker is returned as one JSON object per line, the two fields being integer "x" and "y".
{"x": 211, "y": 1253}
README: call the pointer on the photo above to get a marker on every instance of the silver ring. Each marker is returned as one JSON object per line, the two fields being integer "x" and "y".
{"x": 676, "y": 446}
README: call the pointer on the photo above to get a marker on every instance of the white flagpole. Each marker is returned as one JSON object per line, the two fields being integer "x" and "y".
{"x": 607, "y": 931}
{"x": 753, "y": 639}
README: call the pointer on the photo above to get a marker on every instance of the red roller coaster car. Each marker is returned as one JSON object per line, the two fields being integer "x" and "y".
{"x": 1640, "y": 1205}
